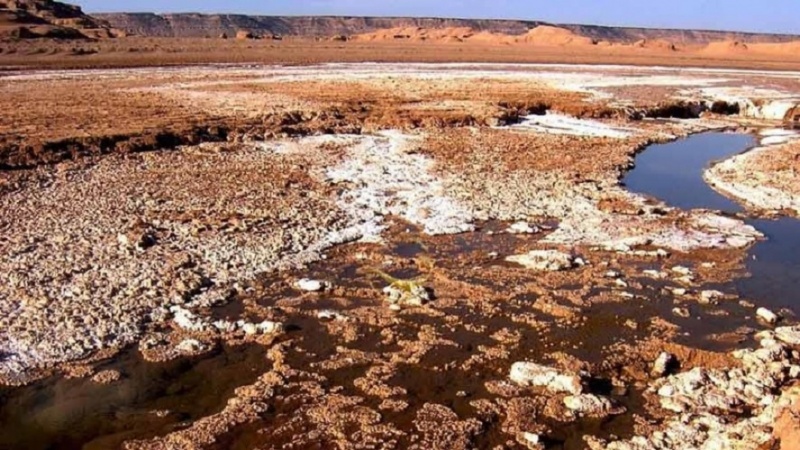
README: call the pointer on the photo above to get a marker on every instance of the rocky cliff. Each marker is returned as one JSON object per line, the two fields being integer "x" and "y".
{"x": 20, "y": 19}
{"x": 212, "y": 25}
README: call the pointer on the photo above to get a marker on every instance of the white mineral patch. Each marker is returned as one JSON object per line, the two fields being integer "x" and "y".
{"x": 554, "y": 123}
{"x": 523, "y": 228}
{"x": 544, "y": 260}
{"x": 383, "y": 177}
{"x": 310, "y": 285}
{"x": 777, "y": 136}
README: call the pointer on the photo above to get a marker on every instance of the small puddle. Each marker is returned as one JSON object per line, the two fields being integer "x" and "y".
{"x": 151, "y": 399}
{"x": 673, "y": 173}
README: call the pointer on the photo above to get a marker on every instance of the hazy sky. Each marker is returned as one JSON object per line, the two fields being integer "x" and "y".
{"x": 780, "y": 16}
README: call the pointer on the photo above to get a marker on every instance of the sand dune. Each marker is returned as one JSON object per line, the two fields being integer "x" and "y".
{"x": 542, "y": 35}
{"x": 726, "y": 47}
{"x": 545, "y": 36}
{"x": 738, "y": 48}
{"x": 549, "y": 36}
{"x": 658, "y": 44}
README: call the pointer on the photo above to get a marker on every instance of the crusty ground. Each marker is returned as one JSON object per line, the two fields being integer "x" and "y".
{"x": 776, "y": 169}
{"x": 766, "y": 178}
{"x": 116, "y": 240}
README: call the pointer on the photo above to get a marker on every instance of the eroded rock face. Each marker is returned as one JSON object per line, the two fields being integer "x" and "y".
{"x": 535, "y": 375}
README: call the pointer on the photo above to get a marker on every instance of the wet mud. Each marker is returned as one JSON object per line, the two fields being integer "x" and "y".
{"x": 149, "y": 399}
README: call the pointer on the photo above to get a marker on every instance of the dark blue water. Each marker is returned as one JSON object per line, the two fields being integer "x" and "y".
{"x": 673, "y": 173}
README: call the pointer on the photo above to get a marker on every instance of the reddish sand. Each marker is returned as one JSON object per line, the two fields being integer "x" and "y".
{"x": 547, "y": 35}
{"x": 541, "y": 35}
{"x": 659, "y": 44}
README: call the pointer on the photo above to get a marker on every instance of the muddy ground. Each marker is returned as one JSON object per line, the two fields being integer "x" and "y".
{"x": 393, "y": 240}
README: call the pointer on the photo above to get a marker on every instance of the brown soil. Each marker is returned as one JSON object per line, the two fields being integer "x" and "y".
{"x": 141, "y": 51}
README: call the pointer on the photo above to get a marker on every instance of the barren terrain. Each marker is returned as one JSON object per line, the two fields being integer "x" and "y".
{"x": 428, "y": 255}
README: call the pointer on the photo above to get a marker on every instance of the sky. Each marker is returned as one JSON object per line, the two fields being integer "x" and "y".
{"x": 776, "y": 16}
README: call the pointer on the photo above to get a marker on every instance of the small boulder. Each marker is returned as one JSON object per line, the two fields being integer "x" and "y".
{"x": 663, "y": 365}
{"x": 532, "y": 440}
{"x": 710, "y": 296}
{"x": 106, "y": 376}
{"x": 592, "y": 405}
{"x": 190, "y": 347}
{"x": 767, "y": 315}
{"x": 269, "y": 327}
{"x": 523, "y": 228}
{"x": 412, "y": 294}
{"x": 244, "y": 34}
{"x": 249, "y": 329}
{"x": 311, "y": 285}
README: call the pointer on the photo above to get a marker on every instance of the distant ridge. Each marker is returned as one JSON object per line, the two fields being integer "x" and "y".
{"x": 213, "y": 25}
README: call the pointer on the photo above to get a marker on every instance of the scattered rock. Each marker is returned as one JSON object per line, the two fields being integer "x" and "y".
{"x": 186, "y": 320}
{"x": 658, "y": 275}
{"x": 663, "y": 365}
{"x": 412, "y": 294}
{"x": 191, "y": 347}
{"x": 681, "y": 312}
{"x": 681, "y": 270}
{"x": 767, "y": 316}
{"x": 592, "y": 405}
{"x": 328, "y": 314}
{"x": 308, "y": 285}
{"x": 532, "y": 440}
{"x": 544, "y": 260}
{"x": 523, "y": 228}
{"x": 789, "y": 335}
{"x": 535, "y": 375}
{"x": 106, "y": 376}
{"x": 244, "y": 34}
{"x": 710, "y": 296}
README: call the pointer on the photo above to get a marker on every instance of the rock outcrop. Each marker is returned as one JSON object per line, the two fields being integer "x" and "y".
{"x": 213, "y": 25}
{"x": 28, "y": 19}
